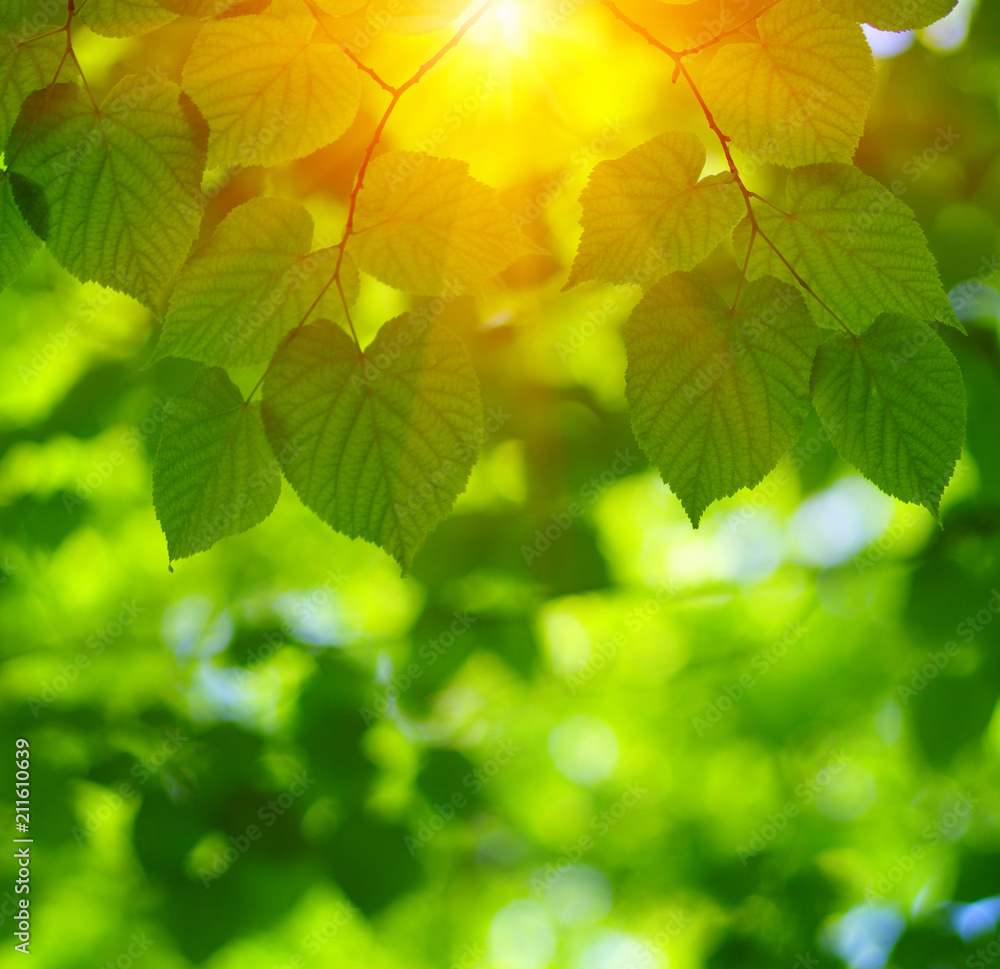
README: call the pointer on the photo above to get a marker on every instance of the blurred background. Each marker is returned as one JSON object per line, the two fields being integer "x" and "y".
{"x": 580, "y": 734}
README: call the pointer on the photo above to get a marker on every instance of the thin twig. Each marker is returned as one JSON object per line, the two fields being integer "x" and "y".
{"x": 341, "y": 247}
{"x": 361, "y": 66}
{"x": 680, "y": 69}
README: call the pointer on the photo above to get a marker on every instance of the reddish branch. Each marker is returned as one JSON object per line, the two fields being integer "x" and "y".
{"x": 341, "y": 247}
{"x": 680, "y": 70}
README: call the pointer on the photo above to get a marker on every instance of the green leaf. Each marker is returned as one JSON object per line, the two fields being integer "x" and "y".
{"x": 200, "y": 9}
{"x": 893, "y": 403}
{"x": 378, "y": 444}
{"x": 252, "y": 282}
{"x": 214, "y": 474}
{"x": 801, "y": 94}
{"x": 25, "y": 68}
{"x": 28, "y": 18}
{"x": 125, "y": 18}
{"x": 106, "y": 189}
{"x": 892, "y": 14}
{"x": 425, "y": 226}
{"x": 268, "y": 93}
{"x": 716, "y": 395}
{"x": 854, "y": 242}
{"x": 647, "y": 214}
{"x": 17, "y": 242}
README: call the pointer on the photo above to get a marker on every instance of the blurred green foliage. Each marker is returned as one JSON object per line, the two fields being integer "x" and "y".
{"x": 770, "y": 742}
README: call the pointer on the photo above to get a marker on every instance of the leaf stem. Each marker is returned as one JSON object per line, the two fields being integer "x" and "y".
{"x": 680, "y": 70}
{"x": 67, "y": 52}
{"x": 346, "y": 48}
{"x": 341, "y": 247}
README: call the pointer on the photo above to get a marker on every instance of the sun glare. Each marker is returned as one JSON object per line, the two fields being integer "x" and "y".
{"x": 503, "y": 27}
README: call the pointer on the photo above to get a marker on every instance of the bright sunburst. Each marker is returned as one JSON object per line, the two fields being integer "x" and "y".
{"x": 505, "y": 26}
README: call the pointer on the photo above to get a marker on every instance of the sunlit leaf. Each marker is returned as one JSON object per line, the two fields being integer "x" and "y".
{"x": 716, "y": 395}
{"x": 253, "y": 281}
{"x": 892, "y": 14}
{"x": 269, "y": 92}
{"x": 647, "y": 214}
{"x": 424, "y": 225}
{"x": 214, "y": 474}
{"x": 893, "y": 403}
{"x": 106, "y": 189}
{"x": 125, "y": 18}
{"x": 801, "y": 94}
{"x": 378, "y": 444}
{"x": 856, "y": 245}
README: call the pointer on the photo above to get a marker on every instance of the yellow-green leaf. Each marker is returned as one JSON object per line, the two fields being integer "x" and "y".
{"x": 267, "y": 90}
{"x": 106, "y": 188}
{"x": 379, "y": 444}
{"x": 252, "y": 282}
{"x": 647, "y": 214}
{"x": 424, "y": 225}
{"x": 125, "y": 18}
{"x": 214, "y": 474}
{"x": 717, "y": 395}
{"x": 799, "y": 95}
{"x": 893, "y": 403}
{"x": 853, "y": 242}
{"x": 893, "y": 14}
